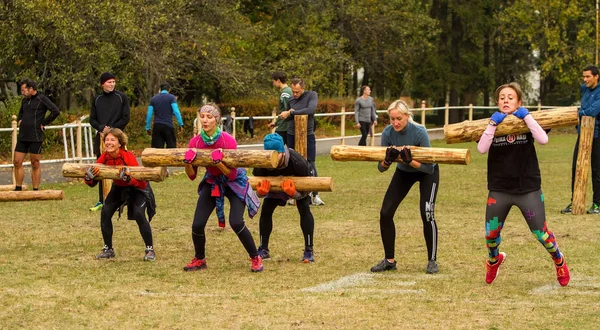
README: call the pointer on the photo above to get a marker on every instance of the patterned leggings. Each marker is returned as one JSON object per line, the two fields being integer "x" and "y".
{"x": 532, "y": 207}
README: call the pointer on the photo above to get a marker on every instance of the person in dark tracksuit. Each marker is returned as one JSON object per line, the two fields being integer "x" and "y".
{"x": 163, "y": 106}
{"x": 109, "y": 109}
{"x": 32, "y": 121}
{"x": 290, "y": 163}
{"x": 402, "y": 133}
{"x": 513, "y": 175}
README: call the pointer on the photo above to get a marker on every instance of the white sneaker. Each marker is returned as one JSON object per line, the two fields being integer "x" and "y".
{"x": 316, "y": 200}
{"x": 291, "y": 202}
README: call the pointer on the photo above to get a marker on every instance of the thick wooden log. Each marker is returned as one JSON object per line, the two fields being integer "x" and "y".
{"x": 34, "y": 195}
{"x": 421, "y": 154}
{"x": 303, "y": 183}
{"x": 300, "y": 131}
{"x": 75, "y": 170}
{"x": 469, "y": 131}
{"x": 9, "y": 187}
{"x": 152, "y": 157}
{"x": 584, "y": 156}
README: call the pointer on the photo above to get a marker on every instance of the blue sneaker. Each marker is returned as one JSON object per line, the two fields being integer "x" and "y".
{"x": 264, "y": 253}
{"x": 308, "y": 256}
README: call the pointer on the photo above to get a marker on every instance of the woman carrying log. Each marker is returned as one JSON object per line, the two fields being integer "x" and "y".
{"x": 127, "y": 190}
{"x": 219, "y": 182}
{"x": 398, "y": 137}
{"x": 514, "y": 179}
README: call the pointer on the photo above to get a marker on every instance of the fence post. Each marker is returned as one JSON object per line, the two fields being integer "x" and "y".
{"x": 539, "y": 104}
{"x": 372, "y": 130}
{"x": 447, "y": 114}
{"x": 78, "y": 141}
{"x": 423, "y": 104}
{"x": 233, "y": 123}
{"x": 343, "y": 125}
{"x": 13, "y": 145}
{"x": 274, "y": 113}
{"x": 470, "y": 111}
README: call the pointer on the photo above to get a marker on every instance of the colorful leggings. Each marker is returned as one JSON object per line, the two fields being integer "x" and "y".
{"x": 532, "y": 207}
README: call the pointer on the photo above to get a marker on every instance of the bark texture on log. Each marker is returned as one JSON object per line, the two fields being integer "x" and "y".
{"x": 470, "y": 131}
{"x": 584, "y": 156}
{"x": 300, "y": 131}
{"x": 34, "y": 195}
{"x": 303, "y": 183}
{"x": 73, "y": 170}
{"x": 153, "y": 157}
{"x": 421, "y": 154}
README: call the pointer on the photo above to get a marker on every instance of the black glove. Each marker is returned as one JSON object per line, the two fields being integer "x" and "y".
{"x": 124, "y": 174}
{"x": 149, "y": 132}
{"x": 406, "y": 155}
{"x": 391, "y": 154}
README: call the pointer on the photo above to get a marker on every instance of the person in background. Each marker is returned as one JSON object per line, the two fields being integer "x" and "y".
{"x": 365, "y": 113}
{"x": 513, "y": 176}
{"x": 32, "y": 121}
{"x": 281, "y": 125}
{"x": 163, "y": 106}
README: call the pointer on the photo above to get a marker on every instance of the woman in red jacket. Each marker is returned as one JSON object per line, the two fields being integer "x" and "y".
{"x": 125, "y": 190}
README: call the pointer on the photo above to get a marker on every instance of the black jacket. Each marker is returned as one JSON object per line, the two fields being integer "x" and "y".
{"x": 297, "y": 166}
{"x": 33, "y": 114}
{"x": 110, "y": 109}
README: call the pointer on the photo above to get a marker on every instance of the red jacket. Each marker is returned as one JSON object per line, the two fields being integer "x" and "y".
{"x": 124, "y": 158}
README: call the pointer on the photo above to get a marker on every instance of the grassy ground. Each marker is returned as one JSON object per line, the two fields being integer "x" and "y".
{"x": 49, "y": 278}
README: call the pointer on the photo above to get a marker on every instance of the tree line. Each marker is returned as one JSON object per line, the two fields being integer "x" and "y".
{"x": 436, "y": 50}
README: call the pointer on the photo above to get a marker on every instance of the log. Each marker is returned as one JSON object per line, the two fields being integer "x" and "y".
{"x": 107, "y": 172}
{"x": 34, "y": 195}
{"x": 152, "y": 157}
{"x": 584, "y": 156}
{"x": 303, "y": 183}
{"x": 9, "y": 187}
{"x": 421, "y": 154}
{"x": 469, "y": 131}
{"x": 301, "y": 137}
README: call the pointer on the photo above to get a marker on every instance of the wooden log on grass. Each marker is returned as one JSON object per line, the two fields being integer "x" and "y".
{"x": 303, "y": 183}
{"x": 421, "y": 154}
{"x": 34, "y": 195}
{"x": 9, "y": 187}
{"x": 152, "y": 157}
{"x": 584, "y": 156}
{"x": 469, "y": 131}
{"x": 107, "y": 172}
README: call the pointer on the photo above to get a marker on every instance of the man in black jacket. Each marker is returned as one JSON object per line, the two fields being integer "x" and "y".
{"x": 290, "y": 163}
{"x": 109, "y": 109}
{"x": 32, "y": 121}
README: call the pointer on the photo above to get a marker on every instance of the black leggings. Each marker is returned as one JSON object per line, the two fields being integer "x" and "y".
{"x": 398, "y": 189}
{"x": 204, "y": 208}
{"x": 136, "y": 210}
{"x": 307, "y": 221}
{"x": 365, "y": 127}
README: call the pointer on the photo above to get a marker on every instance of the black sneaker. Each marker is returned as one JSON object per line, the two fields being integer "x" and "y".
{"x": 150, "y": 255}
{"x": 432, "y": 267}
{"x": 264, "y": 253}
{"x": 384, "y": 265}
{"x": 568, "y": 209}
{"x": 106, "y": 253}
{"x": 595, "y": 209}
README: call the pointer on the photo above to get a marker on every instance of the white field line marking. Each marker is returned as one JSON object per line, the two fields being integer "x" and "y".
{"x": 344, "y": 282}
{"x": 389, "y": 291}
{"x": 574, "y": 288}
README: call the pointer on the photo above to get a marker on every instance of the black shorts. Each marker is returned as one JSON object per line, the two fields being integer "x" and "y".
{"x": 29, "y": 147}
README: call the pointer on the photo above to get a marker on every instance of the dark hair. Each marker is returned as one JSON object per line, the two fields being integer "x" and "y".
{"x": 593, "y": 69}
{"x": 28, "y": 83}
{"x": 515, "y": 86}
{"x": 164, "y": 86}
{"x": 279, "y": 75}
{"x": 298, "y": 81}
{"x": 362, "y": 89}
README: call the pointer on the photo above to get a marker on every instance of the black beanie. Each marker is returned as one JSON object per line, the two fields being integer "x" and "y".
{"x": 106, "y": 76}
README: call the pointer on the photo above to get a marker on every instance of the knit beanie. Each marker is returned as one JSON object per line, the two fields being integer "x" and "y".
{"x": 106, "y": 76}
{"x": 274, "y": 142}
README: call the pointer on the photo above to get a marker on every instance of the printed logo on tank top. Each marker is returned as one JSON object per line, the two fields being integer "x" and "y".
{"x": 511, "y": 139}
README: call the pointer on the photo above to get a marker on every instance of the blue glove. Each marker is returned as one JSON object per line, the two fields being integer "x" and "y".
{"x": 498, "y": 117}
{"x": 521, "y": 112}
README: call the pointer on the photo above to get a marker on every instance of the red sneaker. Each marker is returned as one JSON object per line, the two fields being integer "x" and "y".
{"x": 492, "y": 270}
{"x": 257, "y": 265}
{"x": 562, "y": 273}
{"x": 195, "y": 264}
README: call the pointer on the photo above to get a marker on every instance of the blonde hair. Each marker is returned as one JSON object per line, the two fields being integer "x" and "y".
{"x": 402, "y": 107}
{"x": 122, "y": 137}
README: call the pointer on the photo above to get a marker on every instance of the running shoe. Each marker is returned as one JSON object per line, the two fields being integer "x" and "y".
{"x": 492, "y": 270}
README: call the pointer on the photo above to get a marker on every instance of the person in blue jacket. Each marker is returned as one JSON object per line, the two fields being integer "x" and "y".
{"x": 163, "y": 106}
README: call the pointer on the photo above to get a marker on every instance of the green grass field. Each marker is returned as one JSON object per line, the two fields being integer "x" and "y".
{"x": 50, "y": 279}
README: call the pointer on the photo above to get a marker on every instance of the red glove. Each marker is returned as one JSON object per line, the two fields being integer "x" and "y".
{"x": 263, "y": 187}
{"x": 190, "y": 155}
{"x": 289, "y": 187}
{"x": 217, "y": 155}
